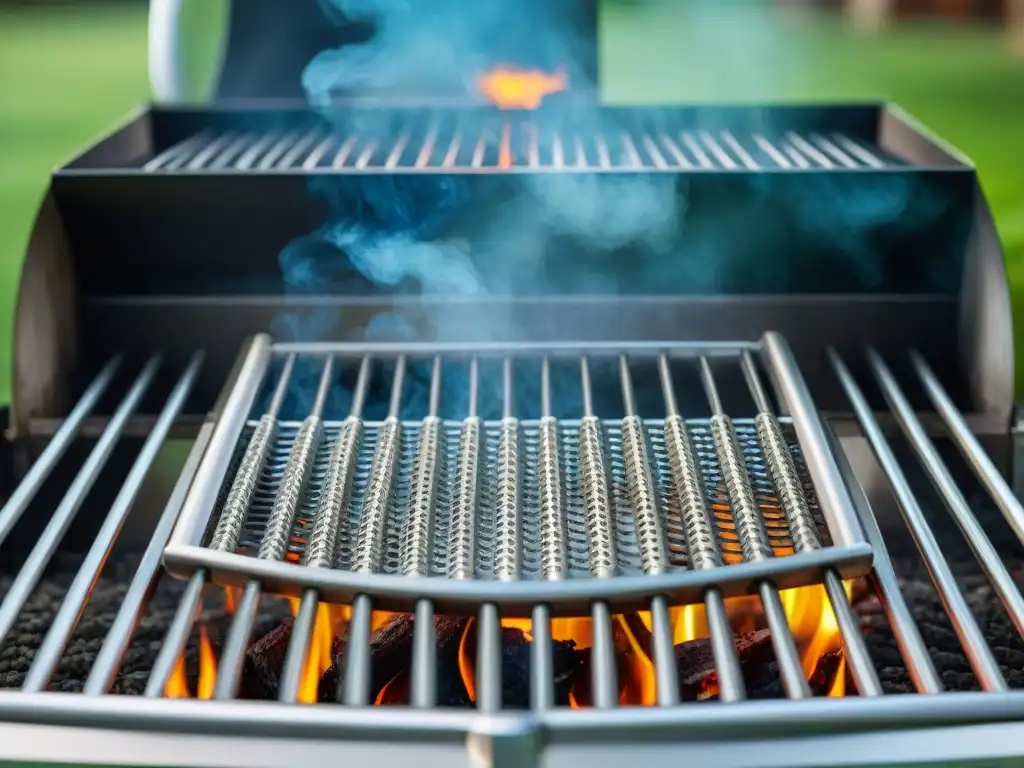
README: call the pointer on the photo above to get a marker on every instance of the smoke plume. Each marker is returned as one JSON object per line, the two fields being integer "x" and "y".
{"x": 436, "y": 240}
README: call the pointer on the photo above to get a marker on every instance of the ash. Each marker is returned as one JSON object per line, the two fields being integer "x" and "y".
{"x": 924, "y": 604}
{"x": 947, "y": 655}
{"x": 27, "y": 635}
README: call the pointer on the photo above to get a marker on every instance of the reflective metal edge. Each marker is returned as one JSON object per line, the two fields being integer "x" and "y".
{"x": 242, "y": 391}
{"x": 970, "y": 746}
{"x": 570, "y": 597}
{"x": 833, "y": 494}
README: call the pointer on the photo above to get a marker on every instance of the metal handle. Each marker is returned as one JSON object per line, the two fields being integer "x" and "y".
{"x": 166, "y": 71}
{"x": 171, "y": 47}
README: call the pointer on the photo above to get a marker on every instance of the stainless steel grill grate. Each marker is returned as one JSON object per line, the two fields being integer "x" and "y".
{"x": 546, "y": 509}
{"x": 893, "y": 727}
{"x": 599, "y": 523}
{"x": 541, "y": 556}
{"x": 519, "y": 144}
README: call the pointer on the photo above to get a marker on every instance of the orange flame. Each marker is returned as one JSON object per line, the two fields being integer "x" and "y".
{"x": 509, "y": 87}
{"x": 330, "y": 622}
{"x": 808, "y": 610}
{"x": 177, "y": 684}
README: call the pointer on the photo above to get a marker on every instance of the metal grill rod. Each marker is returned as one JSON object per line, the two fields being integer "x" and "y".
{"x": 507, "y": 554}
{"x": 201, "y": 494}
{"x": 48, "y": 655}
{"x": 991, "y": 563}
{"x": 701, "y": 545}
{"x": 227, "y": 532}
{"x": 108, "y": 660}
{"x": 972, "y": 639}
{"x": 884, "y": 583}
{"x": 600, "y": 528}
{"x": 354, "y": 685}
{"x": 329, "y": 527}
{"x": 54, "y": 450}
{"x": 418, "y": 548}
{"x": 645, "y": 503}
{"x": 279, "y": 526}
{"x": 505, "y": 144}
{"x": 30, "y": 573}
{"x": 174, "y": 642}
{"x": 804, "y": 532}
{"x": 553, "y": 550}
{"x": 970, "y": 448}
{"x": 753, "y": 537}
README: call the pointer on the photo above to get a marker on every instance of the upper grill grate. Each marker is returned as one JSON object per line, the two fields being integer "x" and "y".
{"x": 519, "y": 145}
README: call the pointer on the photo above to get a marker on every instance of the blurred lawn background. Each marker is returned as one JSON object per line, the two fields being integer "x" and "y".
{"x": 67, "y": 73}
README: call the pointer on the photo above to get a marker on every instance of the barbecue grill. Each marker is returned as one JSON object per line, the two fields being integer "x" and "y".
{"x": 573, "y": 514}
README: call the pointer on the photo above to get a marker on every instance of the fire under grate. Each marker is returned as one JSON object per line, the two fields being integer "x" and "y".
{"x": 155, "y": 633}
{"x": 516, "y": 143}
{"x": 446, "y": 517}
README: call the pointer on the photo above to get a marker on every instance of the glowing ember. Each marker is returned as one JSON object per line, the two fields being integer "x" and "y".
{"x": 509, "y": 87}
{"x": 808, "y": 611}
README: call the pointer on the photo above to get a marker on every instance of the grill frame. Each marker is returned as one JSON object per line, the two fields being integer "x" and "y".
{"x": 849, "y": 552}
{"x": 954, "y": 729}
{"x": 890, "y": 725}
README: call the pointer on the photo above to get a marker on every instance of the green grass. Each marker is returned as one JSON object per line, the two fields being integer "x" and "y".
{"x": 68, "y": 74}
{"x": 65, "y": 77}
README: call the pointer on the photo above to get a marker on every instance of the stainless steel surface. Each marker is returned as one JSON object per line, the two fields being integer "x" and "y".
{"x": 617, "y": 503}
{"x": 547, "y": 734}
{"x": 971, "y": 637}
{"x": 439, "y": 144}
{"x": 652, "y": 493}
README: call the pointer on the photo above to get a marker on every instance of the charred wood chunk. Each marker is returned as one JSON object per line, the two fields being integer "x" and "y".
{"x": 517, "y": 662}
{"x": 698, "y": 678}
{"x": 825, "y": 673}
{"x": 264, "y": 662}
{"x": 391, "y": 663}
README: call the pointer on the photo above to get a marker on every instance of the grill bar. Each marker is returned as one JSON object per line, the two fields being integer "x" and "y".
{"x": 104, "y": 670}
{"x": 698, "y": 529}
{"x": 753, "y": 537}
{"x": 760, "y": 717}
{"x": 971, "y": 638}
{"x": 552, "y": 544}
{"x": 30, "y": 573}
{"x": 396, "y": 442}
{"x": 279, "y": 525}
{"x": 326, "y": 534}
{"x": 48, "y": 656}
{"x": 54, "y": 451}
{"x": 970, "y": 448}
{"x": 649, "y": 524}
{"x": 511, "y": 144}
{"x": 805, "y": 536}
{"x": 177, "y": 636}
{"x": 980, "y": 544}
{"x": 602, "y": 544}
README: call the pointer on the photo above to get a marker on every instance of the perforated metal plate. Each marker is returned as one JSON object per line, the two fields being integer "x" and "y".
{"x": 628, "y": 560}
{"x": 562, "y": 511}
{"x": 594, "y": 497}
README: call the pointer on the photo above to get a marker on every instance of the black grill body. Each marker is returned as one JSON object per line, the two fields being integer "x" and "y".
{"x": 151, "y": 240}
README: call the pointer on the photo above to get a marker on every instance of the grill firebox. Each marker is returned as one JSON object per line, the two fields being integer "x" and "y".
{"x": 518, "y": 481}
